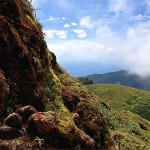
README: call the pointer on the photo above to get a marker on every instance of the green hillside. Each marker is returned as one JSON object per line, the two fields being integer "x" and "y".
{"x": 127, "y": 129}
{"x": 124, "y": 98}
{"x": 121, "y": 78}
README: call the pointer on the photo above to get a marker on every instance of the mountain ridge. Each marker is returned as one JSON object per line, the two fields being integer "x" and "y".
{"x": 122, "y": 77}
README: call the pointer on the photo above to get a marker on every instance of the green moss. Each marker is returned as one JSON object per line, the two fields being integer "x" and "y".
{"x": 54, "y": 103}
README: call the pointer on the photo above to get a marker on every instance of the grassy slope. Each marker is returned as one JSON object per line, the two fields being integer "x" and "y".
{"x": 128, "y": 130}
{"x": 124, "y": 98}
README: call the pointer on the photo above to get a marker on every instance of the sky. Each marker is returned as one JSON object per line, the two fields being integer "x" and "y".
{"x": 97, "y": 36}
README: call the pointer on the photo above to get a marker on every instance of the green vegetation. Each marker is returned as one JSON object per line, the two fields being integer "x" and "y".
{"x": 39, "y": 141}
{"x": 9, "y": 110}
{"x": 128, "y": 131}
{"x": 85, "y": 80}
{"x": 113, "y": 121}
{"x": 124, "y": 98}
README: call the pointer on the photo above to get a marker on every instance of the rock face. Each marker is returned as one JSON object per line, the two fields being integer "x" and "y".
{"x": 62, "y": 110}
{"x": 23, "y": 56}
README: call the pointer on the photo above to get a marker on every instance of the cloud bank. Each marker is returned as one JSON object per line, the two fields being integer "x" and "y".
{"x": 134, "y": 49}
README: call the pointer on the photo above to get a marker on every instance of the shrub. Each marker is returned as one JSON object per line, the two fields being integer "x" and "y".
{"x": 113, "y": 121}
{"x": 85, "y": 80}
{"x": 134, "y": 127}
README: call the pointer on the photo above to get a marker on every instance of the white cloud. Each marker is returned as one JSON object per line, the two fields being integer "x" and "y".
{"x": 67, "y": 25}
{"x": 105, "y": 36}
{"x": 120, "y": 6}
{"x": 134, "y": 50}
{"x": 148, "y": 4}
{"x": 77, "y": 50}
{"x": 80, "y": 33}
{"x": 131, "y": 51}
{"x": 63, "y": 18}
{"x": 86, "y": 22}
{"x": 74, "y": 24}
{"x": 58, "y": 33}
{"x": 51, "y": 18}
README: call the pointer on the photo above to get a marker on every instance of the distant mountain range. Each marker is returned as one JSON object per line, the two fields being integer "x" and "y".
{"x": 122, "y": 78}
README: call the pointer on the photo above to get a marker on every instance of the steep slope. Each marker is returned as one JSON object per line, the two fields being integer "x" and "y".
{"x": 124, "y": 98}
{"x": 121, "y": 77}
{"x": 30, "y": 75}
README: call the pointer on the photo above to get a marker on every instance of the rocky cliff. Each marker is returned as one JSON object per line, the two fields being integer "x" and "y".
{"x": 44, "y": 107}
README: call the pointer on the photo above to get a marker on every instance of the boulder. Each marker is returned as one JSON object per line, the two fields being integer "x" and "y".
{"x": 47, "y": 126}
{"x": 8, "y": 132}
{"x": 42, "y": 123}
{"x": 25, "y": 112}
{"x": 77, "y": 137}
{"x": 14, "y": 121}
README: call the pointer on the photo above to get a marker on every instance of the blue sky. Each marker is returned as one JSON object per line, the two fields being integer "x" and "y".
{"x": 97, "y": 36}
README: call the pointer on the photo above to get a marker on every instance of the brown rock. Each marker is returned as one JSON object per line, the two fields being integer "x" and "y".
{"x": 53, "y": 60}
{"x": 3, "y": 91}
{"x": 8, "y": 132}
{"x": 42, "y": 123}
{"x": 70, "y": 98}
{"x": 91, "y": 121}
{"x": 46, "y": 125}
{"x": 4, "y": 146}
{"x": 14, "y": 121}
{"x": 26, "y": 112}
{"x": 78, "y": 137}
{"x": 80, "y": 107}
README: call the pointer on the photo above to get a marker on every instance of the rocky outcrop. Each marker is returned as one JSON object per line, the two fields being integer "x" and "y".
{"x": 15, "y": 123}
{"x": 47, "y": 125}
{"x": 62, "y": 110}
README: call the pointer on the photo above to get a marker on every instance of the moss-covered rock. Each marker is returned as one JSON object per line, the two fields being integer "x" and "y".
{"x": 34, "y": 78}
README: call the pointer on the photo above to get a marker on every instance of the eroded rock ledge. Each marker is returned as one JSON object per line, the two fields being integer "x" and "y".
{"x": 45, "y": 125}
